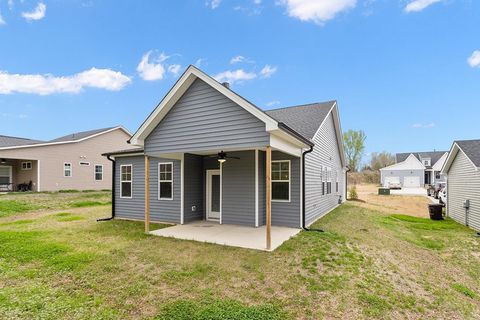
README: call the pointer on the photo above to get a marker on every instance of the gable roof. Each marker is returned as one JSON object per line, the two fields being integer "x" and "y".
{"x": 471, "y": 148}
{"x": 7, "y": 142}
{"x": 433, "y": 155}
{"x": 304, "y": 119}
{"x": 411, "y": 162}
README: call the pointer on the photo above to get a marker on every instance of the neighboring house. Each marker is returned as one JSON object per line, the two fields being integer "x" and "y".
{"x": 203, "y": 155}
{"x": 462, "y": 169}
{"x": 415, "y": 169}
{"x": 74, "y": 161}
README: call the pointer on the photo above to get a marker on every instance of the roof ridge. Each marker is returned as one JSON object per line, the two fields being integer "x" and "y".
{"x": 301, "y": 105}
{"x": 468, "y": 140}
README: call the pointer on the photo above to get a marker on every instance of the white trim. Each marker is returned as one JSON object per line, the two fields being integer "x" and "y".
{"x": 289, "y": 181}
{"x": 71, "y": 170}
{"x": 171, "y": 181}
{"x": 285, "y": 146}
{"x": 26, "y": 162}
{"x": 176, "y": 92}
{"x": 65, "y": 142}
{"x": 256, "y": 188}
{"x": 182, "y": 189}
{"x": 131, "y": 181}
{"x": 208, "y": 190}
{"x": 221, "y": 192}
{"x": 127, "y": 155}
{"x": 38, "y": 175}
{"x": 95, "y": 172}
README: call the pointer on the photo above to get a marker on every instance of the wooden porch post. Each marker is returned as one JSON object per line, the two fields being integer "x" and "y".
{"x": 269, "y": 196}
{"x": 147, "y": 195}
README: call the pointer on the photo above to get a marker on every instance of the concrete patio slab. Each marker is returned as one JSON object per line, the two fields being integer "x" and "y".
{"x": 410, "y": 192}
{"x": 228, "y": 235}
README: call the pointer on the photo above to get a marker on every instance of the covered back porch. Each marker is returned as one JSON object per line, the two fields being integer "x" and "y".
{"x": 18, "y": 175}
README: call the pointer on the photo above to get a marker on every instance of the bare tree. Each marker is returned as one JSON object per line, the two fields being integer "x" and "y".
{"x": 381, "y": 160}
{"x": 354, "y": 143}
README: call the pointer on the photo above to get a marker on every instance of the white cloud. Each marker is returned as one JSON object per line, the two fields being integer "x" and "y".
{"x": 257, "y": 2}
{"x": 424, "y": 125}
{"x": 474, "y": 60}
{"x": 419, "y": 5}
{"x": 10, "y": 4}
{"x": 213, "y": 3}
{"x": 317, "y": 11}
{"x": 149, "y": 70}
{"x": 37, "y": 14}
{"x": 174, "y": 69}
{"x": 237, "y": 59}
{"x": 199, "y": 62}
{"x": 48, "y": 84}
{"x": 235, "y": 76}
{"x": 268, "y": 71}
{"x": 2, "y": 21}
{"x": 273, "y": 103}
{"x": 14, "y": 116}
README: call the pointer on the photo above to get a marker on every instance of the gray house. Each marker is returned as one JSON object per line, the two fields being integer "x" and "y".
{"x": 462, "y": 169}
{"x": 205, "y": 153}
{"x": 415, "y": 169}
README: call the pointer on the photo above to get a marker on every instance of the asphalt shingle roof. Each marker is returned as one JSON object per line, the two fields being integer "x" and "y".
{"x": 79, "y": 135}
{"x": 7, "y": 141}
{"x": 434, "y": 155}
{"x": 471, "y": 149}
{"x": 304, "y": 119}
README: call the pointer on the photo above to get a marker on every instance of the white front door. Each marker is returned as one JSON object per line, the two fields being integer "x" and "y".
{"x": 214, "y": 185}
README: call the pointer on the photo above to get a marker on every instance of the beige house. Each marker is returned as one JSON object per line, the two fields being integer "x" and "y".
{"x": 73, "y": 161}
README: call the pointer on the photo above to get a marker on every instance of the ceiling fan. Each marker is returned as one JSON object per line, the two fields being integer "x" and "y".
{"x": 222, "y": 157}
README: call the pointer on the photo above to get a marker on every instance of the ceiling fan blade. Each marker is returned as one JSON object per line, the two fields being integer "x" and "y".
{"x": 232, "y": 157}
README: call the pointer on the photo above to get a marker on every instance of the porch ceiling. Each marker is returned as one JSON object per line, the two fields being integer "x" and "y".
{"x": 228, "y": 235}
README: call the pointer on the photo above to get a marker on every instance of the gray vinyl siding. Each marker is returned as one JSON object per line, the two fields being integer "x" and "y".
{"x": 194, "y": 188}
{"x": 204, "y": 119}
{"x": 238, "y": 189}
{"x": 463, "y": 182}
{"x": 286, "y": 214}
{"x": 133, "y": 208}
{"x": 165, "y": 210}
{"x": 402, "y": 174}
{"x": 325, "y": 153}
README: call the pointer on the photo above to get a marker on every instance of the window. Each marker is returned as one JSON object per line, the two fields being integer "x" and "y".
{"x": 126, "y": 181}
{"x": 27, "y": 165}
{"x": 329, "y": 181}
{"x": 98, "y": 172}
{"x": 426, "y": 162}
{"x": 437, "y": 175}
{"x": 67, "y": 169}
{"x": 281, "y": 180}
{"x": 165, "y": 181}
{"x": 84, "y": 164}
{"x": 324, "y": 179}
{"x": 336, "y": 181}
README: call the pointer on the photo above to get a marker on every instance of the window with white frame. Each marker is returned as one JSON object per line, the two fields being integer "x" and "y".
{"x": 329, "y": 181}
{"x": 324, "y": 180}
{"x": 126, "y": 181}
{"x": 437, "y": 175}
{"x": 281, "y": 180}
{"x": 426, "y": 162}
{"x": 27, "y": 165}
{"x": 98, "y": 172}
{"x": 165, "y": 181}
{"x": 337, "y": 173}
{"x": 67, "y": 169}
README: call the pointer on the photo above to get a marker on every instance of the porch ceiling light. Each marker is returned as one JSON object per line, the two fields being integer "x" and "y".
{"x": 3, "y": 161}
{"x": 222, "y": 157}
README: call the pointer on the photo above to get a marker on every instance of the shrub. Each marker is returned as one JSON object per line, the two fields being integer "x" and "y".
{"x": 352, "y": 193}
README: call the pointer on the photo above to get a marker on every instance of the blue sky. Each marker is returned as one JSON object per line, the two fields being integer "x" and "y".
{"x": 407, "y": 72}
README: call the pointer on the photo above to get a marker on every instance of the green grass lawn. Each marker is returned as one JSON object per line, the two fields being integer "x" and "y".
{"x": 62, "y": 264}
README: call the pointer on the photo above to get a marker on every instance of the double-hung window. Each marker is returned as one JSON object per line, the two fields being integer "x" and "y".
{"x": 67, "y": 169}
{"x": 336, "y": 181}
{"x": 165, "y": 181}
{"x": 98, "y": 172}
{"x": 329, "y": 181}
{"x": 126, "y": 181}
{"x": 322, "y": 180}
{"x": 281, "y": 180}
